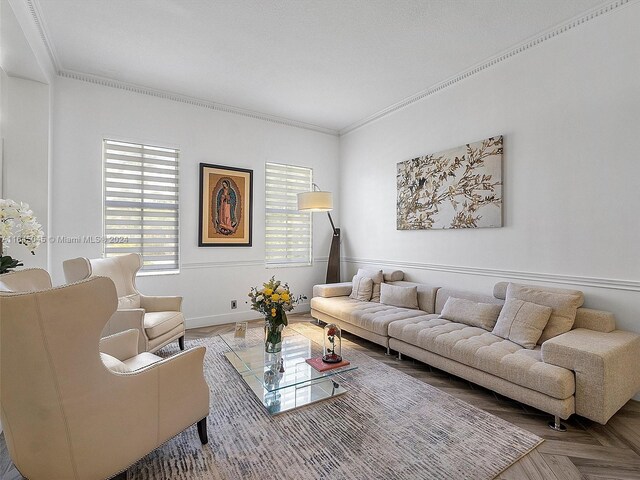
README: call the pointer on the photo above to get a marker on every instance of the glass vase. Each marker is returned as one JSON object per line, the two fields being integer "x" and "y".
{"x": 332, "y": 344}
{"x": 272, "y": 336}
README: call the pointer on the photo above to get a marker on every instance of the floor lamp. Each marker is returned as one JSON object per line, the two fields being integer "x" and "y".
{"x": 319, "y": 201}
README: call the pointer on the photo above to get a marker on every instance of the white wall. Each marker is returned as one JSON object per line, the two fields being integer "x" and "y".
{"x": 84, "y": 114}
{"x": 25, "y": 129}
{"x": 569, "y": 110}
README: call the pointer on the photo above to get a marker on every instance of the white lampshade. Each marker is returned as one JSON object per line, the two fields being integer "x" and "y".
{"x": 315, "y": 201}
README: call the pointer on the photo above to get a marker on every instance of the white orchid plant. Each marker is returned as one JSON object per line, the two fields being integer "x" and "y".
{"x": 17, "y": 225}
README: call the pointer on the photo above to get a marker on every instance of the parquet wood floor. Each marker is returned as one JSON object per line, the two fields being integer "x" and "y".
{"x": 588, "y": 450}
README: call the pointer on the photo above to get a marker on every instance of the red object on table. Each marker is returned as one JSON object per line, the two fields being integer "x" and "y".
{"x": 321, "y": 366}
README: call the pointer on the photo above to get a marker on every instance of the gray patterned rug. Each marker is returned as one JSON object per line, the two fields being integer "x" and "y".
{"x": 388, "y": 425}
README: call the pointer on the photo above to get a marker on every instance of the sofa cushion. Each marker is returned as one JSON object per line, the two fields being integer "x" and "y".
{"x": 159, "y": 323}
{"x": 378, "y": 277}
{"x": 444, "y": 293}
{"x": 475, "y": 314}
{"x": 564, "y": 307}
{"x": 403, "y": 297}
{"x": 371, "y": 316}
{"x": 362, "y": 288}
{"x": 522, "y": 322}
{"x": 426, "y": 294}
{"x": 393, "y": 275}
{"x": 475, "y": 347}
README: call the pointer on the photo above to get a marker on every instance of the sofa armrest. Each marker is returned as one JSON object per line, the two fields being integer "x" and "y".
{"x": 122, "y": 346}
{"x": 126, "y": 319}
{"x": 605, "y": 366}
{"x": 332, "y": 290}
{"x": 160, "y": 304}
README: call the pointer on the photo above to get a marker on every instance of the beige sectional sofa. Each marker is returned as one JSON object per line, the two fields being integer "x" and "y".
{"x": 591, "y": 370}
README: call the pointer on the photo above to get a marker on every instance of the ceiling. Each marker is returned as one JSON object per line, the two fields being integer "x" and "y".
{"x": 328, "y": 63}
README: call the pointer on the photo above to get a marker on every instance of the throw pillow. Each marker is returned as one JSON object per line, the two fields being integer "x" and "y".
{"x": 522, "y": 322}
{"x": 377, "y": 277}
{"x": 361, "y": 289}
{"x": 482, "y": 315}
{"x": 404, "y": 297}
{"x": 563, "y": 305}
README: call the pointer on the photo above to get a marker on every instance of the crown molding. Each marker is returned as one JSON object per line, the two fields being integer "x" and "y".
{"x": 490, "y": 62}
{"x": 609, "y": 283}
{"x": 198, "y": 102}
{"x": 36, "y": 16}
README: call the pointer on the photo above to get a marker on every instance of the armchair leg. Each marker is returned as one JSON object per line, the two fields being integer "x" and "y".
{"x": 181, "y": 342}
{"x": 202, "y": 431}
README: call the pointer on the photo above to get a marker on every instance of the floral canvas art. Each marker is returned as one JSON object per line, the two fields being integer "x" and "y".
{"x": 457, "y": 188}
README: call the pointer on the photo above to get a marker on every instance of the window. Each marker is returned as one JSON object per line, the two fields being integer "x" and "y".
{"x": 288, "y": 231}
{"x": 141, "y": 204}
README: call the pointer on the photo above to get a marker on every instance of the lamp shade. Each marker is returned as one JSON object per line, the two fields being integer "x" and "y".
{"x": 315, "y": 201}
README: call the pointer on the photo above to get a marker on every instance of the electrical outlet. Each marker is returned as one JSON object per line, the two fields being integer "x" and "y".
{"x": 234, "y": 304}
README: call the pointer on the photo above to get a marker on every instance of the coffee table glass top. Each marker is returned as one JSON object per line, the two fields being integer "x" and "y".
{"x": 279, "y": 391}
{"x": 248, "y": 357}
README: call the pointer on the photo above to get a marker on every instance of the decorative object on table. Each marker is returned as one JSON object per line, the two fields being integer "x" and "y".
{"x": 320, "y": 365}
{"x": 17, "y": 225}
{"x": 457, "y": 188}
{"x": 241, "y": 329}
{"x": 332, "y": 344}
{"x": 273, "y": 300}
{"x": 226, "y": 206}
{"x": 319, "y": 201}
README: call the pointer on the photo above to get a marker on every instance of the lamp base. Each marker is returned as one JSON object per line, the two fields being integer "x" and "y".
{"x": 333, "y": 268}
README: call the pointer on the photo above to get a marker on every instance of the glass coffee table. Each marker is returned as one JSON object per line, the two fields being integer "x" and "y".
{"x": 279, "y": 391}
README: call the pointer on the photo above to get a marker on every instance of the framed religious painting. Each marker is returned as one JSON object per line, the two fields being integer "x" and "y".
{"x": 226, "y": 206}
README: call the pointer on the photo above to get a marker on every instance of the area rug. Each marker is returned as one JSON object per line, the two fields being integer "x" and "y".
{"x": 388, "y": 425}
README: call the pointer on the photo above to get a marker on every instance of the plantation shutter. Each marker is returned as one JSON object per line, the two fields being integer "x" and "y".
{"x": 288, "y": 231}
{"x": 141, "y": 204}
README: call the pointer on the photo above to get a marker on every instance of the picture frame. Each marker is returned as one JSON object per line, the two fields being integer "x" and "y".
{"x": 226, "y": 206}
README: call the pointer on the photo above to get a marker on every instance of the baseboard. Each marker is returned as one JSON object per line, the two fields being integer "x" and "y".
{"x": 233, "y": 317}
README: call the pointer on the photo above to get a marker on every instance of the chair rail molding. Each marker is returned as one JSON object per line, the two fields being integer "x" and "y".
{"x": 614, "y": 284}
{"x": 241, "y": 263}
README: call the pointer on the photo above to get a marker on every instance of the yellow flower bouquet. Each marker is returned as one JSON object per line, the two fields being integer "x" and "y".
{"x": 273, "y": 300}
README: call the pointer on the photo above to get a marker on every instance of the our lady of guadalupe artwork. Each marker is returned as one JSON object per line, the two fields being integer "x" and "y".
{"x": 225, "y": 206}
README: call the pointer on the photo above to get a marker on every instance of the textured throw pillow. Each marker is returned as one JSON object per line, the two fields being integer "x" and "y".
{"x": 405, "y": 297}
{"x": 522, "y": 322}
{"x": 377, "y": 277}
{"x": 483, "y": 315}
{"x": 563, "y": 305}
{"x": 361, "y": 289}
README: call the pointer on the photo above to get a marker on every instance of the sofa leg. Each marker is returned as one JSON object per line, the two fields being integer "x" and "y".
{"x": 388, "y": 351}
{"x": 399, "y": 356}
{"x": 181, "y": 342}
{"x": 557, "y": 425}
{"x": 202, "y": 431}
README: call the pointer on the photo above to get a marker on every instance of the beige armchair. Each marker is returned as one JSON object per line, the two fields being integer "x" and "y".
{"x": 67, "y": 416}
{"x": 158, "y": 319}
{"x": 27, "y": 280}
